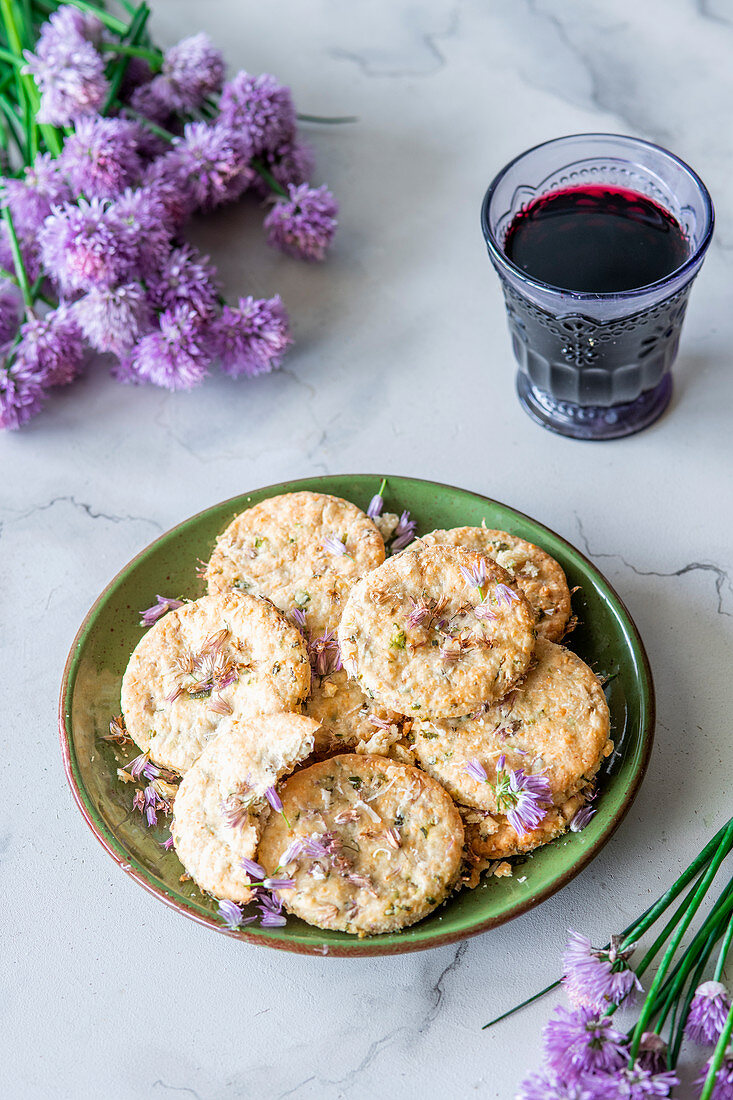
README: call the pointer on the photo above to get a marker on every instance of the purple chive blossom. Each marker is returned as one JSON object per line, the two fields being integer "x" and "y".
{"x": 279, "y": 883}
{"x": 293, "y": 852}
{"x": 270, "y": 907}
{"x": 475, "y": 576}
{"x": 144, "y": 215}
{"x": 404, "y": 532}
{"x": 524, "y": 799}
{"x": 152, "y": 803}
{"x": 578, "y": 1042}
{"x": 51, "y": 347}
{"x": 174, "y": 356}
{"x": 652, "y": 1052}
{"x": 21, "y": 395}
{"x": 583, "y": 816}
{"x": 274, "y": 799}
{"x": 255, "y": 870}
{"x": 137, "y": 73}
{"x": 324, "y": 653}
{"x": 160, "y": 607}
{"x": 168, "y": 844}
{"x": 476, "y": 770}
{"x": 250, "y": 338}
{"x": 209, "y": 163}
{"x": 290, "y": 164}
{"x": 505, "y": 595}
{"x": 268, "y": 902}
{"x": 545, "y": 1085}
{"x": 192, "y": 69}
{"x": 597, "y": 979}
{"x": 235, "y": 809}
{"x": 189, "y": 279}
{"x": 67, "y": 24}
{"x": 376, "y": 505}
{"x": 28, "y": 250}
{"x": 9, "y": 313}
{"x": 708, "y": 1012}
{"x": 67, "y": 68}
{"x": 297, "y": 618}
{"x": 141, "y": 766}
{"x": 31, "y": 197}
{"x": 260, "y": 106}
{"x": 163, "y": 180}
{"x": 632, "y": 1083}
{"x": 419, "y": 613}
{"x": 303, "y": 224}
{"x": 114, "y": 318}
{"x": 272, "y": 919}
{"x": 334, "y": 546}
{"x": 483, "y": 611}
{"x": 231, "y": 914}
{"x": 309, "y": 846}
{"x": 152, "y": 99}
{"x": 723, "y": 1089}
{"x": 100, "y": 158}
{"x": 86, "y": 245}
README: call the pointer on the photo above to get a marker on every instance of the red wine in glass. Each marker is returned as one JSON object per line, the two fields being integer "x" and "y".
{"x": 596, "y": 239}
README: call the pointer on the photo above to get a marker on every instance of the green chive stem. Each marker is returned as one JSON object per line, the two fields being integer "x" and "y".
{"x": 694, "y": 905}
{"x": 268, "y": 177}
{"x": 153, "y": 58}
{"x": 110, "y": 21}
{"x": 725, "y": 948}
{"x": 20, "y": 270}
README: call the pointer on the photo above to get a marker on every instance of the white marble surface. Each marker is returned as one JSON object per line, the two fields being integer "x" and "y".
{"x": 402, "y": 363}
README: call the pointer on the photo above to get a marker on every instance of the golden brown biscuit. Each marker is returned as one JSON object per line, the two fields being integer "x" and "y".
{"x": 436, "y": 631}
{"x": 221, "y": 805}
{"x": 229, "y": 654}
{"x": 555, "y": 724}
{"x": 301, "y": 550}
{"x": 374, "y": 845}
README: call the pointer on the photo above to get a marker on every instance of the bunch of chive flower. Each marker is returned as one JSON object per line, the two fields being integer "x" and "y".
{"x": 589, "y": 1055}
{"x": 109, "y": 146}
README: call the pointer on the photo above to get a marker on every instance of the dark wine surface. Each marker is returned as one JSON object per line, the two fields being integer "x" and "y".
{"x": 596, "y": 239}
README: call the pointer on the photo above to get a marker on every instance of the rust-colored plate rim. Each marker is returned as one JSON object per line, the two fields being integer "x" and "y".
{"x": 366, "y": 947}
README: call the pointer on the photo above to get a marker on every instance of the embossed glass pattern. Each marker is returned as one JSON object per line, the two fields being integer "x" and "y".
{"x": 596, "y": 366}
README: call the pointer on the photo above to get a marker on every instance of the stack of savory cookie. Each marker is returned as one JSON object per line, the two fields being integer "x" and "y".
{"x": 365, "y": 729}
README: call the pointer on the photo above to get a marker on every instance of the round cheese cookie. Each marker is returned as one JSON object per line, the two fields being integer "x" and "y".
{"x": 347, "y": 717}
{"x": 555, "y": 724}
{"x": 302, "y": 550}
{"x": 436, "y": 631}
{"x": 374, "y": 845}
{"x": 532, "y": 570}
{"x": 221, "y": 803}
{"x": 229, "y": 654}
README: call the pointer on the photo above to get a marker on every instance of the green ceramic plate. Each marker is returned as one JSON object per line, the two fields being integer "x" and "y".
{"x": 606, "y": 638}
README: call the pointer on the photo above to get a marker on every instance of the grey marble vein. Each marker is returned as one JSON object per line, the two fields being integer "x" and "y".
{"x": 158, "y": 1085}
{"x": 87, "y": 509}
{"x": 427, "y": 60}
{"x": 723, "y": 585}
{"x": 612, "y": 85}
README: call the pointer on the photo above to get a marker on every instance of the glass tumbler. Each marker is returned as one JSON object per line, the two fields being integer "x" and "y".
{"x": 596, "y": 366}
